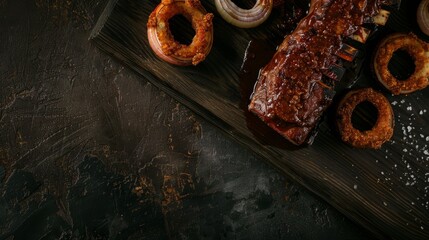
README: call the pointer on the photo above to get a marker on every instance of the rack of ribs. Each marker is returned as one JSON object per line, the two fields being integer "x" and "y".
{"x": 298, "y": 84}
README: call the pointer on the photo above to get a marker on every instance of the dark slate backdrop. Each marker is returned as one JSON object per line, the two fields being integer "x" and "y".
{"x": 90, "y": 150}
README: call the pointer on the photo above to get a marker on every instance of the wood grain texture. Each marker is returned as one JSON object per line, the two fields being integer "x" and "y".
{"x": 385, "y": 190}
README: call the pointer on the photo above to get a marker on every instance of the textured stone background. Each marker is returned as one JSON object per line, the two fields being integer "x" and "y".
{"x": 90, "y": 150}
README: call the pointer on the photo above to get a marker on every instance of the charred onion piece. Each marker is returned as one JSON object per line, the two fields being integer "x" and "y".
{"x": 417, "y": 49}
{"x": 381, "y": 132}
{"x": 162, "y": 40}
{"x": 244, "y": 18}
{"x": 423, "y": 16}
{"x": 381, "y": 18}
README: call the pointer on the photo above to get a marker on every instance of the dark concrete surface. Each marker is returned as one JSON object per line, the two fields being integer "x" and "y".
{"x": 90, "y": 150}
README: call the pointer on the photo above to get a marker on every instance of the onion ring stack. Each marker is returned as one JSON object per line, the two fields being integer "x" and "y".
{"x": 381, "y": 132}
{"x": 162, "y": 40}
{"x": 244, "y": 18}
{"x": 418, "y": 50}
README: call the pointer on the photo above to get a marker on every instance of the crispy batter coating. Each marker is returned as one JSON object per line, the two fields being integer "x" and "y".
{"x": 418, "y": 50}
{"x": 381, "y": 132}
{"x": 201, "y": 22}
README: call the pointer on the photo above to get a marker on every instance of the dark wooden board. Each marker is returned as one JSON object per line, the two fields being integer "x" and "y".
{"x": 385, "y": 190}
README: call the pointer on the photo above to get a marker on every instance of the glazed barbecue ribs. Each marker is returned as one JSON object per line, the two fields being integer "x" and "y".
{"x": 293, "y": 89}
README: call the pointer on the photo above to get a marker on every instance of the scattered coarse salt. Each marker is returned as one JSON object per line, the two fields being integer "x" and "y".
{"x": 413, "y": 141}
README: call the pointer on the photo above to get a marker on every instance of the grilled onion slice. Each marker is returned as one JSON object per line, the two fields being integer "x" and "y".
{"x": 244, "y": 18}
{"x": 423, "y": 16}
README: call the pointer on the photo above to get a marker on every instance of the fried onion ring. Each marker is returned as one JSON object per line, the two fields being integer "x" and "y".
{"x": 382, "y": 130}
{"x": 162, "y": 40}
{"x": 419, "y": 52}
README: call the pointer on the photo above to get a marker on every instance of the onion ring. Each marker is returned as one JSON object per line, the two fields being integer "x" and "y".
{"x": 382, "y": 130}
{"x": 417, "y": 49}
{"x": 162, "y": 40}
{"x": 244, "y": 18}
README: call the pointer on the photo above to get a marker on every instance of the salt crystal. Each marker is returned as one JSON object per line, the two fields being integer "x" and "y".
{"x": 355, "y": 186}
{"x": 409, "y": 108}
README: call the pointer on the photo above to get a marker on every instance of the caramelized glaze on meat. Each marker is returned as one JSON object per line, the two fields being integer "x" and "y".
{"x": 291, "y": 93}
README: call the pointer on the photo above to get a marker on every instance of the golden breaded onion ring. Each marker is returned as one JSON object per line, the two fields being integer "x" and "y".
{"x": 419, "y": 52}
{"x": 162, "y": 40}
{"x": 381, "y": 132}
{"x": 244, "y": 18}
